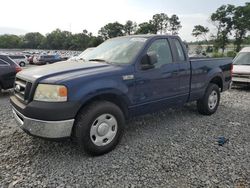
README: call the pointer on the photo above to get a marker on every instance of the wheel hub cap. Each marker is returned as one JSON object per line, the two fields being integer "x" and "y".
{"x": 212, "y": 100}
{"x": 103, "y": 130}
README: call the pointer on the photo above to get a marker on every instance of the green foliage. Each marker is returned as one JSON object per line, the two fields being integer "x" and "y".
{"x": 241, "y": 24}
{"x": 247, "y": 40}
{"x": 10, "y": 41}
{"x": 130, "y": 27}
{"x": 231, "y": 54}
{"x": 209, "y": 49}
{"x": 229, "y": 20}
{"x": 217, "y": 55}
{"x": 200, "y": 31}
{"x": 33, "y": 40}
{"x": 145, "y": 28}
{"x": 174, "y": 24}
{"x": 222, "y": 19}
{"x": 58, "y": 40}
{"x": 55, "y": 40}
{"x": 112, "y": 30}
{"x": 160, "y": 23}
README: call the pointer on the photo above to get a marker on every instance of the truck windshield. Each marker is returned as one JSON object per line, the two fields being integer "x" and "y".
{"x": 117, "y": 51}
{"x": 243, "y": 58}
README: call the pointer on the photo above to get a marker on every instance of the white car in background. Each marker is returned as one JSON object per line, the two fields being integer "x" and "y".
{"x": 241, "y": 67}
{"x": 21, "y": 60}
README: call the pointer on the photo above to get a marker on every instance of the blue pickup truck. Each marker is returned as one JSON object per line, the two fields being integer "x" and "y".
{"x": 90, "y": 100}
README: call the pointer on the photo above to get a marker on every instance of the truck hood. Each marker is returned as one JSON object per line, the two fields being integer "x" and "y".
{"x": 241, "y": 69}
{"x": 61, "y": 70}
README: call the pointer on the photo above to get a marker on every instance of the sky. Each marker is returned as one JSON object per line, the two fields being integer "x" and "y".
{"x": 21, "y": 16}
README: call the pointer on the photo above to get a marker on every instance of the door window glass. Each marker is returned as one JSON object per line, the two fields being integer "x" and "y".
{"x": 162, "y": 50}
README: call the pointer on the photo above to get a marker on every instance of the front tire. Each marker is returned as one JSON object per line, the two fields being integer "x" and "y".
{"x": 99, "y": 127}
{"x": 210, "y": 101}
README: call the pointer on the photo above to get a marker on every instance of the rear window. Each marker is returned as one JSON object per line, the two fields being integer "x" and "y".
{"x": 179, "y": 49}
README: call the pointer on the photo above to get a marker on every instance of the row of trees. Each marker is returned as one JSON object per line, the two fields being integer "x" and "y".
{"x": 160, "y": 23}
{"x": 230, "y": 21}
{"x": 55, "y": 40}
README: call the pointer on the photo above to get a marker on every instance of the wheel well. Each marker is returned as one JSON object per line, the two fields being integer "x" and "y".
{"x": 218, "y": 81}
{"x": 116, "y": 99}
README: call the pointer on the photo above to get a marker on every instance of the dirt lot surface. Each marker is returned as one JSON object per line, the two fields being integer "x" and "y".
{"x": 173, "y": 148}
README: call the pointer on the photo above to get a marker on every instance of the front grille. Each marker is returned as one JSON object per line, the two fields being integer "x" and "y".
{"x": 22, "y": 89}
{"x": 241, "y": 75}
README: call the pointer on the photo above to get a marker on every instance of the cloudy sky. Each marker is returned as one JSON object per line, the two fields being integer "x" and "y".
{"x": 20, "y": 16}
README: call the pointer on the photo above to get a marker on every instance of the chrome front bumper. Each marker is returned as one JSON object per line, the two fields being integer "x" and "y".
{"x": 241, "y": 80}
{"x": 45, "y": 129}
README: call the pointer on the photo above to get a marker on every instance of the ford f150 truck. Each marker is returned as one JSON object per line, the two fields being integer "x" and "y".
{"x": 123, "y": 77}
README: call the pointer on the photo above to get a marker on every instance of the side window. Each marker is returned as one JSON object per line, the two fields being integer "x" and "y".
{"x": 162, "y": 50}
{"x": 3, "y": 63}
{"x": 179, "y": 49}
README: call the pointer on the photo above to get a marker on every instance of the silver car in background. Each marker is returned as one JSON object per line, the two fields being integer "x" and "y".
{"x": 241, "y": 67}
{"x": 21, "y": 60}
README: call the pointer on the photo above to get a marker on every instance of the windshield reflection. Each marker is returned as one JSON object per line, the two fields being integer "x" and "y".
{"x": 117, "y": 51}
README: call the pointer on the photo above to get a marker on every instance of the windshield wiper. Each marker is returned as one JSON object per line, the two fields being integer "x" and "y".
{"x": 101, "y": 60}
{"x": 81, "y": 59}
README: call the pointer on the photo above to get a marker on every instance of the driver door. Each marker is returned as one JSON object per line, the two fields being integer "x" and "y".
{"x": 158, "y": 87}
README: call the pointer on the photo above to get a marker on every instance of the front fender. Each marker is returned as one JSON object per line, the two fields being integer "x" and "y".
{"x": 88, "y": 90}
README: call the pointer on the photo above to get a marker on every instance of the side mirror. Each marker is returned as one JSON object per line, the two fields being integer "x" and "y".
{"x": 149, "y": 60}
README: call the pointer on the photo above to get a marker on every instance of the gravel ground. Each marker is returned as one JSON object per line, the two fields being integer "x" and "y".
{"x": 173, "y": 148}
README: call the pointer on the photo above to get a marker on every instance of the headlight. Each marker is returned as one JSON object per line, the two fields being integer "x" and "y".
{"x": 51, "y": 93}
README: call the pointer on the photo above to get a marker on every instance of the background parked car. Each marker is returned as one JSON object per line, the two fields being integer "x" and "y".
{"x": 241, "y": 69}
{"x": 8, "y": 70}
{"x": 21, "y": 60}
{"x": 30, "y": 59}
{"x": 47, "y": 59}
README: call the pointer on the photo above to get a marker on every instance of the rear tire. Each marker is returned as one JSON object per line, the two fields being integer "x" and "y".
{"x": 210, "y": 101}
{"x": 99, "y": 127}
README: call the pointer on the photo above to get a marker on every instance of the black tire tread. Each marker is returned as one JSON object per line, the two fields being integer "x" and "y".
{"x": 81, "y": 128}
{"x": 202, "y": 104}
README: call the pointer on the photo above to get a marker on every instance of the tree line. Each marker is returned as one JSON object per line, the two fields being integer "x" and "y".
{"x": 230, "y": 22}
{"x": 232, "y": 25}
{"x": 65, "y": 40}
